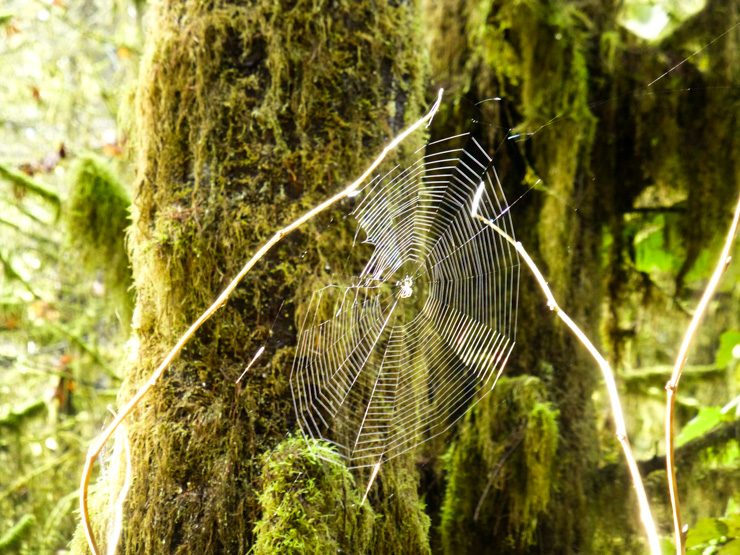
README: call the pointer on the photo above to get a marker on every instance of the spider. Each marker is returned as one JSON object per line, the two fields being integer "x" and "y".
{"x": 406, "y": 287}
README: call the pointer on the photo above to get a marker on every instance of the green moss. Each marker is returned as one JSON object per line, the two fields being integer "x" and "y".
{"x": 403, "y": 524}
{"x": 309, "y": 503}
{"x": 500, "y": 471}
{"x": 674, "y": 130}
{"x": 557, "y": 66}
{"x": 538, "y": 58}
{"x": 97, "y": 215}
{"x": 533, "y": 54}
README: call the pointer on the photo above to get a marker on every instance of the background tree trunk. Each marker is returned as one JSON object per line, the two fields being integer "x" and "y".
{"x": 573, "y": 83}
{"x": 533, "y": 57}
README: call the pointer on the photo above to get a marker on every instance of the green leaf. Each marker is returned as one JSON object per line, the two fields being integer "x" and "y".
{"x": 703, "y": 422}
{"x": 5, "y": 18}
{"x": 733, "y": 525}
{"x": 730, "y": 548}
{"x": 651, "y": 251}
{"x": 703, "y": 532}
{"x": 666, "y": 546}
{"x": 727, "y": 342}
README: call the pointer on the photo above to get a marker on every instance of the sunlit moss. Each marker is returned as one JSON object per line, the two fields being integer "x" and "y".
{"x": 97, "y": 214}
{"x": 500, "y": 471}
{"x": 309, "y": 503}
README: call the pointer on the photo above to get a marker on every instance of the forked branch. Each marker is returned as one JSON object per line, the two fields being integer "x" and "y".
{"x": 97, "y": 444}
{"x": 672, "y": 385}
{"x": 611, "y": 386}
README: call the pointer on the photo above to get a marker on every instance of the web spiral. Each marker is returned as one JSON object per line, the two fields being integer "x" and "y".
{"x": 395, "y": 355}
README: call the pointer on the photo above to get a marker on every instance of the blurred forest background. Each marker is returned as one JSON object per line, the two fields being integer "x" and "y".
{"x": 66, "y": 295}
{"x": 64, "y": 312}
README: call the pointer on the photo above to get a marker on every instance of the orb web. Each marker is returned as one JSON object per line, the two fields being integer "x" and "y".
{"x": 394, "y": 355}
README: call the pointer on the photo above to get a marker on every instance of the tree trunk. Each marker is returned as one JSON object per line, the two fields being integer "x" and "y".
{"x": 539, "y": 70}
{"x": 247, "y": 114}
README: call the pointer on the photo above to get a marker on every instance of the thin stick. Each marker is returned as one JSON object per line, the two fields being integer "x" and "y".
{"x": 374, "y": 475}
{"x": 672, "y": 385}
{"x": 251, "y": 363}
{"x": 114, "y": 534}
{"x": 611, "y": 386}
{"x": 97, "y": 444}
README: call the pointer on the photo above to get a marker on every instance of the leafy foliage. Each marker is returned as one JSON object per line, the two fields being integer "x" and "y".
{"x": 68, "y": 67}
{"x": 715, "y": 536}
{"x": 707, "y": 419}
{"x": 727, "y": 351}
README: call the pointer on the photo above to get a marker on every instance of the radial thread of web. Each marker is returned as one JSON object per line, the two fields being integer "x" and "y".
{"x": 426, "y": 328}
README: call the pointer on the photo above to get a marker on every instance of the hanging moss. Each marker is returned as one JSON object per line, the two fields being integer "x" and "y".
{"x": 500, "y": 471}
{"x": 569, "y": 75}
{"x": 692, "y": 113}
{"x": 97, "y": 215}
{"x": 536, "y": 53}
{"x": 402, "y": 525}
{"x": 309, "y": 503}
{"x": 528, "y": 69}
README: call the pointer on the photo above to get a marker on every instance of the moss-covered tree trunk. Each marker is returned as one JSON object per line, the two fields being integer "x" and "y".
{"x": 531, "y": 56}
{"x": 559, "y": 89}
{"x": 247, "y": 114}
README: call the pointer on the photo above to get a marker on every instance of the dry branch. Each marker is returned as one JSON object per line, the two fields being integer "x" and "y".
{"x": 672, "y": 385}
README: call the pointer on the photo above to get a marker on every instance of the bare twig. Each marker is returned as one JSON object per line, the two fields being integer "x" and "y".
{"x": 672, "y": 385}
{"x": 97, "y": 444}
{"x": 611, "y": 386}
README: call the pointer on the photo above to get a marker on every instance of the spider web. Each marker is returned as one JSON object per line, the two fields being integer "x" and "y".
{"x": 395, "y": 355}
